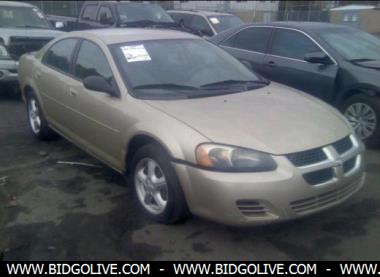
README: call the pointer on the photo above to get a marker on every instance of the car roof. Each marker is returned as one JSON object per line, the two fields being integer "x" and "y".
{"x": 117, "y": 2}
{"x": 301, "y": 25}
{"x": 199, "y": 12}
{"x": 120, "y": 35}
{"x": 15, "y": 4}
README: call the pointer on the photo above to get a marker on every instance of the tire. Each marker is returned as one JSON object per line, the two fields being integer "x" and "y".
{"x": 175, "y": 208}
{"x": 363, "y": 112}
{"x": 36, "y": 119}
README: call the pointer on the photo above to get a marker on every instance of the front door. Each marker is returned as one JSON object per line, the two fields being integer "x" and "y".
{"x": 99, "y": 117}
{"x": 285, "y": 64}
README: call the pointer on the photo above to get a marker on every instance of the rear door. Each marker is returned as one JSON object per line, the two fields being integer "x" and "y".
{"x": 249, "y": 45}
{"x": 285, "y": 64}
{"x": 52, "y": 78}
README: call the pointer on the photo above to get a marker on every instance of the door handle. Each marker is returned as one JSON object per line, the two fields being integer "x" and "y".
{"x": 271, "y": 64}
{"x": 72, "y": 92}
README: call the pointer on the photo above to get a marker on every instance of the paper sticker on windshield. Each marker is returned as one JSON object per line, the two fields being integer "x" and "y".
{"x": 135, "y": 53}
{"x": 214, "y": 20}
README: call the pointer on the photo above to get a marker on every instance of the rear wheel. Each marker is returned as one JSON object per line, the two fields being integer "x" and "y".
{"x": 36, "y": 119}
{"x": 363, "y": 113}
{"x": 156, "y": 185}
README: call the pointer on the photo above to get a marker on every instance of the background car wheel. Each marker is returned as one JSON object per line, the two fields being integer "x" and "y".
{"x": 363, "y": 112}
{"x": 156, "y": 185}
{"x": 36, "y": 119}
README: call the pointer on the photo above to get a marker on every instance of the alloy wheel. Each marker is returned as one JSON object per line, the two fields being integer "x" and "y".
{"x": 362, "y": 118}
{"x": 151, "y": 186}
{"x": 34, "y": 116}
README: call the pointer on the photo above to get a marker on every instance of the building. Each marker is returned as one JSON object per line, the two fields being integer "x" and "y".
{"x": 261, "y": 11}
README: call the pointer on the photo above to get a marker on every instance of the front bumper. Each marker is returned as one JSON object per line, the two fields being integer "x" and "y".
{"x": 8, "y": 71}
{"x": 283, "y": 194}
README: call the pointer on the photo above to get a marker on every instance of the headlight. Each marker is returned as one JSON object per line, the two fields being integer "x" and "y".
{"x": 233, "y": 159}
{"x": 3, "y": 52}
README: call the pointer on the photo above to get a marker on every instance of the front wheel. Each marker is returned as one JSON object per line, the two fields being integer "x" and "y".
{"x": 36, "y": 119}
{"x": 156, "y": 185}
{"x": 363, "y": 113}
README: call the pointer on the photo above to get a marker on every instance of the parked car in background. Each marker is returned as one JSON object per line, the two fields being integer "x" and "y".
{"x": 205, "y": 23}
{"x": 111, "y": 14}
{"x": 338, "y": 64}
{"x": 194, "y": 129}
{"x": 23, "y": 28}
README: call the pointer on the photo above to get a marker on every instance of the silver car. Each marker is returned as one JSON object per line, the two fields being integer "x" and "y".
{"x": 193, "y": 128}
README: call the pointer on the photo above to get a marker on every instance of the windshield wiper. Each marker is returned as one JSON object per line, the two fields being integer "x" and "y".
{"x": 169, "y": 86}
{"x": 361, "y": 60}
{"x": 247, "y": 83}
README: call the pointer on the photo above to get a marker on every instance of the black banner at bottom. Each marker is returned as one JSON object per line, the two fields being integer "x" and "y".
{"x": 189, "y": 268}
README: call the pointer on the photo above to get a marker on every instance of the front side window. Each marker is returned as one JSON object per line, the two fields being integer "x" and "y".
{"x": 91, "y": 61}
{"x": 182, "y": 18}
{"x": 292, "y": 44}
{"x": 224, "y": 22}
{"x": 352, "y": 44}
{"x": 89, "y": 12}
{"x": 60, "y": 54}
{"x": 129, "y": 12}
{"x": 105, "y": 15}
{"x": 180, "y": 67}
{"x": 252, "y": 39}
{"x": 200, "y": 24}
{"x": 22, "y": 17}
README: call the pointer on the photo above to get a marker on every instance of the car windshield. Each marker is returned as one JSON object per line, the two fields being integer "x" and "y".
{"x": 351, "y": 44}
{"x": 181, "y": 68}
{"x": 224, "y": 22}
{"x": 22, "y": 17}
{"x": 129, "y": 12}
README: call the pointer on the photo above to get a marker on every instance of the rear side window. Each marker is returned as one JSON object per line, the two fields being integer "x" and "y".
{"x": 91, "y": 61}
{"x": 89, "y": 12}
{"x": 292, "y": 44}
{"x": 60, "y": 54}
{"x": 252, "y": 39}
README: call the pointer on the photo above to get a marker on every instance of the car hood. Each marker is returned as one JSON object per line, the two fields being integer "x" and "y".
{"x": 274, "y": 119}
{"x": 7, "y": 33}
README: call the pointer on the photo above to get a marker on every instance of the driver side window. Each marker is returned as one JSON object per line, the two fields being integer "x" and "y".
{"x": 91, "y": 61}
{"x": 200, "y": 24}
{"x": 105, "y": 16}
{"x": 292, "y": 44}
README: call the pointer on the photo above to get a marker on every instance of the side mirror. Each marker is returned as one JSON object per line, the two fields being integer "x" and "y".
{"x": 317, "y": 57}
{"x": 98, "y": 83}
{"x": 59, "y": 25}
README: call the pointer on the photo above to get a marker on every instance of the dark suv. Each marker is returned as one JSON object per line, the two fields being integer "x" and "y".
{"x": 336, "y": 63}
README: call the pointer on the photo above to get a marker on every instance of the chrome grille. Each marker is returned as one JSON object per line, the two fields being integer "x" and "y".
{"x": 307, "y": 157}
{"x": 251, "y": 208}
{"x": 343, "y": 145}
{"x": 319, "y": 176}
{"x": 322, "y": 200}
{"x": 329, "y": 163}
{"x": 349, "y": 165}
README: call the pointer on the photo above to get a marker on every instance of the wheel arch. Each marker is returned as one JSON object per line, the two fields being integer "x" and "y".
{"x": 138, "y": 141}
{"x": 367, "y": 89}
